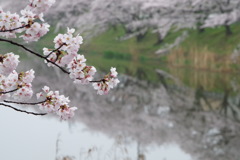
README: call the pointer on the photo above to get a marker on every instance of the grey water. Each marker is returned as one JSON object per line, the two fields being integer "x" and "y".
{"x": 139, "y": 120}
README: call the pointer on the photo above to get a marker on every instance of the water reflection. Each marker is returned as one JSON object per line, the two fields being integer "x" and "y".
{"x": 141, "y": 120}
{"x": 205, "y": 125}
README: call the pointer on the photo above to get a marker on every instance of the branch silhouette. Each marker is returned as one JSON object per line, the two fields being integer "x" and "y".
{"x": 19, "y": 110}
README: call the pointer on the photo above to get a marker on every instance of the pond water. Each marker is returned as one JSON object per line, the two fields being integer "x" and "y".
{"x": 181, "y": 114}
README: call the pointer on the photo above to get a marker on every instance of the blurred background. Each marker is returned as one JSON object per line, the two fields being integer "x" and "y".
{"x": 179, "y": 96}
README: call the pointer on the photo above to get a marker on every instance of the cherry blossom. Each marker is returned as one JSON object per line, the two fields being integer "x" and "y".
{"x": 12, "y": 80}
{"x": 20, "y": 83}
{"x": 79, "y": 71}
{"x": 66, "y": 112}
{"x": 10, "y": 24}
{"x": 66, "y": 46}
{"x": 3, "y": 87}
{"x": 55, "y": 103}
{"x": 110, "y": 81}
{"x": 28, "y": 76}
{"x": 8, "y": 63}
{"x": 24, "y": 93}
{"x": 9, "y": 21}
{"x": 35, "y": 32}
{"x": 39, "y": 6}
{"x": 30, "y": 26}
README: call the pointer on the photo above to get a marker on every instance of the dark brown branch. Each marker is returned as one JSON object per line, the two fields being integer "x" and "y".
{"x": 40, "y": 56}
{"x": 55, "y": 50}
{"x": 10, "y": 30}
{"x": 102, "y": 80}
{"x": 19, "y": 110}
{"x": 9, "y": 91}
{"x": 34, "y": 53}
{"x": 25, "y": 103}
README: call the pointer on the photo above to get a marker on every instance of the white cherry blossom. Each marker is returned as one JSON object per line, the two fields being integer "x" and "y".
{"x": 24, "y": 93}
{"x": 55, "y": 103}
{"x": 110, "y": 81}
{"x": 8, "y": 63}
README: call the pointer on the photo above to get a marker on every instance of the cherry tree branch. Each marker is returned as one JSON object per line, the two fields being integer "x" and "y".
{"x": 9, "y": 91}
{"x": 102, "y": 80}
{"x": 19, "y": 110}
{"x": 33, "y": 103}
{"x": 34, "y": 53}
{"x": 43, "y": 57}
{"x": 55, "y": 50}
{"x": 10, "y": 30}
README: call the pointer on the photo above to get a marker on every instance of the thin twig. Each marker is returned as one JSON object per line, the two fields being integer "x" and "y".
{"x": 10, "y": 30}
{"x": 26, "y": 103}
{"x": 9, "y": 91}
{"x": 19, "y": 110}
{"x": 35, "y": 53}
{"x": 55, "y": 50}
{"x": 40, "y": 56}
{"x": 101, "y": 80}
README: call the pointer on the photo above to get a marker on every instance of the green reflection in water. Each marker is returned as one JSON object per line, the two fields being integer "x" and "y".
{"x": 144, "y": 68}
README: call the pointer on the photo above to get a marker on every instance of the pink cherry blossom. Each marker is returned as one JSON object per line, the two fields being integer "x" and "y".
{"x": 39, "y": 6}
{"x": 66, "y": 46}
{"x": 110, "y": 81}
{"x": 79, "y": 72}
{"x": 8, "y": 63}
{"x": 55, "y": 103}
{"x": 24, "y": 93}
{"x": 65, "y": 112}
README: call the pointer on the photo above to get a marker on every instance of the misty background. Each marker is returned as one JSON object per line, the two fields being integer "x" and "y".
{"x": 179, "y": 93}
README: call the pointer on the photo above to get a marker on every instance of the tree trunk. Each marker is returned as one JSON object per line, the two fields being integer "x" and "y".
{"x": 114, "y": 27}
{"x": 159, "y": 39}
{"x": 228, "y": 30}
{"x": 200, "y": 30}
{"x": 141, "y": 36}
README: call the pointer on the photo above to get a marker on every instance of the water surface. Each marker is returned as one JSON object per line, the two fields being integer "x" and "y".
{"x": 183, "y": 115}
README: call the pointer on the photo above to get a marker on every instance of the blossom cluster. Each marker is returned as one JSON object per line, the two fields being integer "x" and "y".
{"x": 26, "y": 23}
{"x": 66, "y": 48}
{"x": 65, "y": 55}
{"x": 18, "y": 86}
{"x": 109, "y": 81}
{"x": 30, "y": 26}
{"x": 39, "y": 6}
{"x": 79, "y": 71}
{"x": 56, "y": 103}
{"x": 8, "y": 63}
{"x": 10, "y": 80}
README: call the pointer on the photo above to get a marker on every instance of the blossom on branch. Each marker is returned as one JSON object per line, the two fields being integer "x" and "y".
{"x": 22, "y": 83}
{"x": 8, "y": 63}
{"x": 10, "y": 24}
{"x": 66, "y": 48}
{"x": 3, "y": 87}
{"x": 81, "y": 73}
{"x": 14, "y": 85}
{"x": 24, "y": 93}
{"x": 108, "y": 82}
{"x": 11, "y": 81}
{"x": 55, "y": 103}
{"x": 35, "y": 32}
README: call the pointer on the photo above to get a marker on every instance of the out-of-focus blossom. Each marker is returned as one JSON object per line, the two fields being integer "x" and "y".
{"x": 39, "y": 6}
